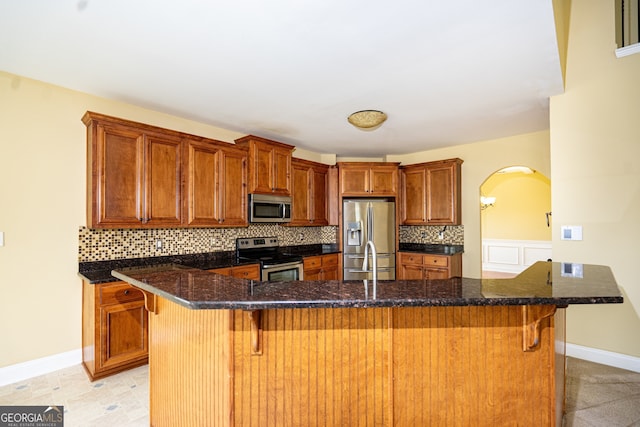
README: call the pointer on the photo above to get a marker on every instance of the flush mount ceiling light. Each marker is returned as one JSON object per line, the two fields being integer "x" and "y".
{"x": 367, "y": 119}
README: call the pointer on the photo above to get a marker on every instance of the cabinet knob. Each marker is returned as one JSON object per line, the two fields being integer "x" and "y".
{"x": 126, "y": 292}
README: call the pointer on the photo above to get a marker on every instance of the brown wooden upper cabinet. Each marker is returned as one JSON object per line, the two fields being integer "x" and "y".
{"x": 368, "y": 179}
{"x": 216, "y": 184}
{"x": 142, "y": 176}
{"x": 134, "y": 174}
{"x": 431, "y": 193}
{"x": 309, "y": 191}
{"x": 269, "y": 165}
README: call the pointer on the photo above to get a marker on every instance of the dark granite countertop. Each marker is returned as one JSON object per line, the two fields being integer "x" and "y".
{"x": 542, "y": 283}
{"x": 430, "y": 248}
{"x": 97, "y": 272}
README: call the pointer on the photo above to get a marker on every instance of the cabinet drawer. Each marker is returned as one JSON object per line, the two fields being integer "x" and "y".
{"x": 312, "y": 262}
{"x": 406, "y": 258}
{"x": 249, "y": 272}
{"x": 329, "y": 260}
{"x": 119, "y": 293}
{"x": 440, "y": 261}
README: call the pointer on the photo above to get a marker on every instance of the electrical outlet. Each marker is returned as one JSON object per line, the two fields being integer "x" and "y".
{"x": 158, "y": 244}
{"x": 423, "y": 234}
{"x": 441, "y": 235}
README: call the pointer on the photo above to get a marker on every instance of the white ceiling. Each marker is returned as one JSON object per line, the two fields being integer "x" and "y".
{"x": 445, "y": 72}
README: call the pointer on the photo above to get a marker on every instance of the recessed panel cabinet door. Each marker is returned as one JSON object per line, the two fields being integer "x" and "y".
{"x": 301, "y": 195}
{"x": 441, "y": 204}
{"x": 414, "y": 209}
{"x": 202, "y": 179}
{"x": 233, "y": 188}
{"x": 319, "y": 193}
{"x": 123, "y": 334}
{"x": 117, "y": 180}
{"x": 163, "y": 174}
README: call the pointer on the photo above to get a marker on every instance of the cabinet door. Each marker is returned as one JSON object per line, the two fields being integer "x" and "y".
{"x": 436, "y": 273}
{"x": 249, "y": 272}
{"x": 443, "y": 194}
{"x": 300, "y": 194}
{"x": 123, "y": 331}
{"x": 281, "y": 171}
{"x": 414, "y": 210}
{"x": 411, "y": 272}
{"x": 117, "y": 189}
{"x": 330, "y": 273}
{"x": 354, "y": 181}
{"x": 163, "y": 181}
{"x": 262, "y": 179}
{"x": 202, "y": 179}
{"x": 233, "y": 188}
{"x": 319, "y": 193}
{"x": 384, "y": 180}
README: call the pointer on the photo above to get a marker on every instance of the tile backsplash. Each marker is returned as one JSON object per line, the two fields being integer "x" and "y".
{"x": 452, "y": 235}
{"x": 112, "y": 244}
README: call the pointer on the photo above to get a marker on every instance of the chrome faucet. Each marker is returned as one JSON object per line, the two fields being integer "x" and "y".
{"x": 374, "y": 255}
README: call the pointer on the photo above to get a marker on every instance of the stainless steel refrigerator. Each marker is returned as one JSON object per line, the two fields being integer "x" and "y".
{"x": 364, "y": 220}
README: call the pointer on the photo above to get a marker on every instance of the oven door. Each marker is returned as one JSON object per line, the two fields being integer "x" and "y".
{"x": 282, "y": 272}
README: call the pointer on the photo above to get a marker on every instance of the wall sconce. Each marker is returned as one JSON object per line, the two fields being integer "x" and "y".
{"x": 486, "y": 202}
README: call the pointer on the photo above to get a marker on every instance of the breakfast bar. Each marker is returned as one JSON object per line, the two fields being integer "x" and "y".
{"x": 461, "y": 351}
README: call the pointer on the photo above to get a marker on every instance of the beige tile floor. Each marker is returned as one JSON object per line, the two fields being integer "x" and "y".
{"x": 597, "y": 395}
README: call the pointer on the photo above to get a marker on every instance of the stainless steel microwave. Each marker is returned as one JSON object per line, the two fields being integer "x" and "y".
{"x": 268, "y": 208}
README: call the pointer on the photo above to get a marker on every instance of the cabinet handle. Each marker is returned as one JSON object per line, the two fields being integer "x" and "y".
{"x": 126, "y": 292}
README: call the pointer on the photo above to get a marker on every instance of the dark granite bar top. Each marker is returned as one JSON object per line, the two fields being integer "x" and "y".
{"x": 431, "y": 248}
{"x": 97, "y": 272}
{"x": 542, "y": 283}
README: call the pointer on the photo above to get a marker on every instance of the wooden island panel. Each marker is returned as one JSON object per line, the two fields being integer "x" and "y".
{"x": 350, "y": 366}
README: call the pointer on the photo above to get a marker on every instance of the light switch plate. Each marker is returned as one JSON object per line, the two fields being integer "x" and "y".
{"x": 1, "y": 238}
{"x": 571, "y": 232}
{"x": 568, "y": 269}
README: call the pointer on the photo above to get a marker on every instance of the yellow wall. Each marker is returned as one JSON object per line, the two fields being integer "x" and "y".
{"x": 595, "y": 165}
{"x": 519, "y": 211}
{"x": 42, "y": 204}
{"x": 481, "y": 160}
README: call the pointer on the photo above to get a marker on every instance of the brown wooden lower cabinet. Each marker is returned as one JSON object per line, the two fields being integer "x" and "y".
{"x": 414, "y": 266}
{"x": 114, "y": 328}
{"x": 357, "y": 366}
{"x": 321, "y": 267}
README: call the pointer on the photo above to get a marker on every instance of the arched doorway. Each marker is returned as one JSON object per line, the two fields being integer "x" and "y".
{"x": 515, "y": 223}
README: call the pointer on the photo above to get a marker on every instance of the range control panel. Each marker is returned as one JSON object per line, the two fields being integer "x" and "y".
{"x": 256, "y": 242}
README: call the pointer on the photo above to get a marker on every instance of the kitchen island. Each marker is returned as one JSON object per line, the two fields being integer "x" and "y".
{"x": 461, "y": 351}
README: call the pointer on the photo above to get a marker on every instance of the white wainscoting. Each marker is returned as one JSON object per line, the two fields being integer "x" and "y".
{"x": 513, "y": 256}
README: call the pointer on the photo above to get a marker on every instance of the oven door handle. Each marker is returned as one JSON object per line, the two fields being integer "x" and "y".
{"x": 283, "y": 265}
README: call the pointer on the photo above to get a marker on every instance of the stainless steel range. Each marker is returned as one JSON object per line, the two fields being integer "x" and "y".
{"x": 275, "y": 265}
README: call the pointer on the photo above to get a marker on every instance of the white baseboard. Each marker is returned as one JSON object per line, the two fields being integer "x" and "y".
{"x": 604, "y": 357}
{"x": 22, "y": 371}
